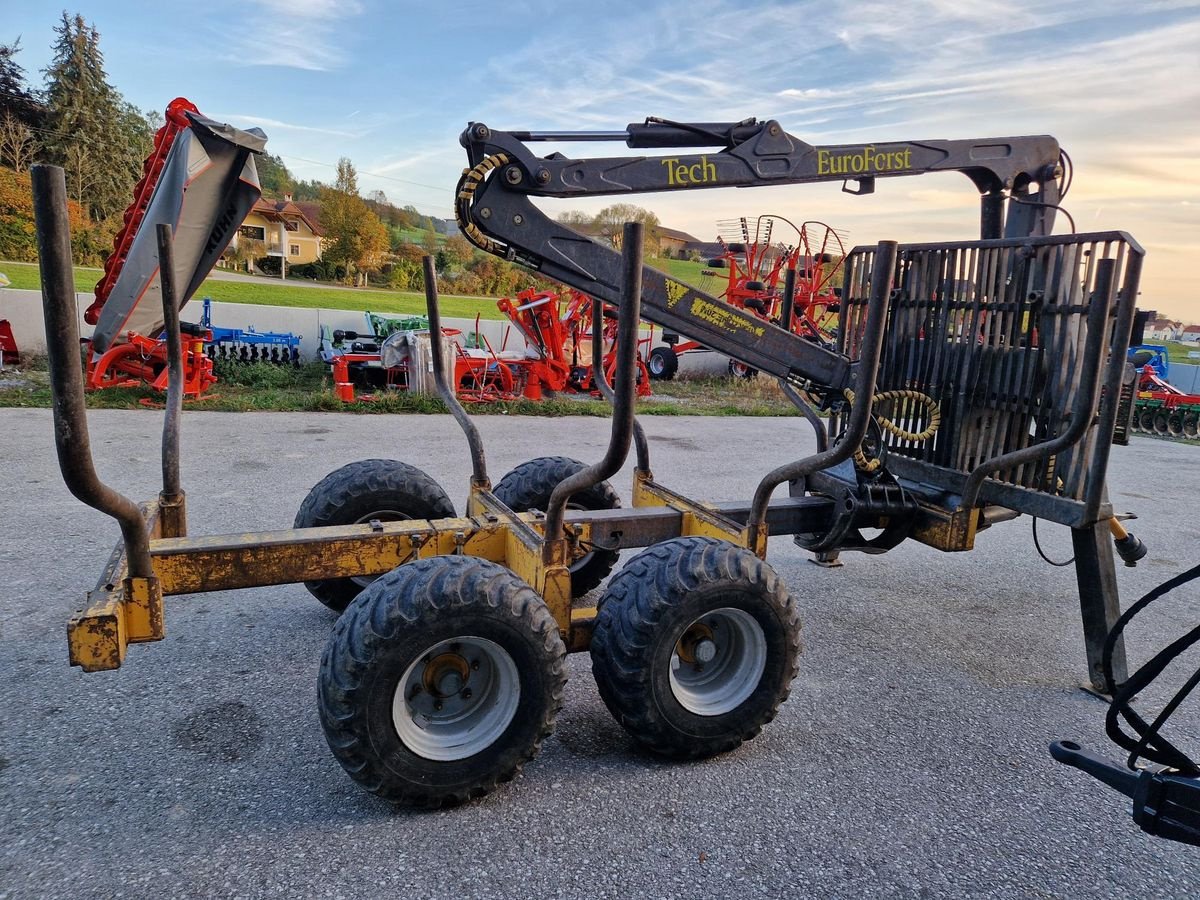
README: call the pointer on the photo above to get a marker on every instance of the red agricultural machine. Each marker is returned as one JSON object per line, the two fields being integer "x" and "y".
{"x": 199, "y": 172}
{"x": 556, "y": 353}
{"x": 757, "y": 272}
{"x": 555, "y": 327}
{"x": 1161, "y": 408}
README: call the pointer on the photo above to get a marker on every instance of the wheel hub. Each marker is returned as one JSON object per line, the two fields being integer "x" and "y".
{"x": 446, "y": 675}
{"x": 718, "y": 662}
{"x": 456, "y": 699}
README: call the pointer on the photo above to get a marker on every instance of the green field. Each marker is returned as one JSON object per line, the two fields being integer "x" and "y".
{"x": 1178, "y": 352}
{"x": 272, "y": 292}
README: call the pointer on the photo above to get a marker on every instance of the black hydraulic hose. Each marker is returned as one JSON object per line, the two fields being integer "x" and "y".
{"x": 640, "y": 444}
{"x": 66, "y": 375}
{"x": 628, "y": 318}
{"x": 172, "y": 485}
{"x": 882, "y": 274}
{"x": 479, "y": 476}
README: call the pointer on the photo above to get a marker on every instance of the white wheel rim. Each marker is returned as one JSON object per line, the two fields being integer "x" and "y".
{"x": 718, "y": 662}
{"x": 456, "y": 699}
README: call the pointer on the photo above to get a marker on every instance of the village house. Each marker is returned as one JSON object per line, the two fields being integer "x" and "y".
{"x": 281, "y": 228}
{"x": 1163, "y": 330}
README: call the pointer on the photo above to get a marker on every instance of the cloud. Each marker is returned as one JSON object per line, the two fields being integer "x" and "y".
{"x": 298, "y": 34}
{"x": 263, "y": 122}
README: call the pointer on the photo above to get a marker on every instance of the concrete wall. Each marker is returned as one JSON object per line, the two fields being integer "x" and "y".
{"x": 23, "y": 309}
{"x": 1185, "y": 377}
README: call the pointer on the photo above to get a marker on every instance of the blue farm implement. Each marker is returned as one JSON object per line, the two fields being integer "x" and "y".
{"x": 247, "y": 345}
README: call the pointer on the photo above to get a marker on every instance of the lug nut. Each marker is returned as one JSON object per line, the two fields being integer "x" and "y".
{"x": 543, "y": 176}
{"x": 513, "y": 175}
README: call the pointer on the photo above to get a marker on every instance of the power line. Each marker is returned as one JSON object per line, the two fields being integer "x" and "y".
{"x": 317, "y": 162}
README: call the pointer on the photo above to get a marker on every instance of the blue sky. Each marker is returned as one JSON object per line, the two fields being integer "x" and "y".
{"x": 391, "y": 85}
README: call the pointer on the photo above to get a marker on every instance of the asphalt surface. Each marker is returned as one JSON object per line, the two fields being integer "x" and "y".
{"x": 910, "y": 760}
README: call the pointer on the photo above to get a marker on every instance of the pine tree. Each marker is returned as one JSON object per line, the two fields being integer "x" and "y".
{"x": 15, "y": 98}
{"x": 97, "y": 137}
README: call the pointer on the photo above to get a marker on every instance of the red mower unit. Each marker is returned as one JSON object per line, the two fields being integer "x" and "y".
{"x": 200, "y": 172}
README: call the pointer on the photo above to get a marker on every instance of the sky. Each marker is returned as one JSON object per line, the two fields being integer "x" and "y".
{"x": 392, "y": 84}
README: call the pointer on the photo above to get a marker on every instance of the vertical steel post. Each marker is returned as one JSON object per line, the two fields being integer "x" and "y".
{"x": 479, "y": 476}
{"x": 1099, "y": 602}
{"x": 625, "y": 389}
{"x": 174, "y": 406}
{"x": 789, "y": 297}
{"x": 640, "y": 444}
{"x": 171, "y": 509}
{"x": 66, "y": 374}
{"x": 882, "y": 274}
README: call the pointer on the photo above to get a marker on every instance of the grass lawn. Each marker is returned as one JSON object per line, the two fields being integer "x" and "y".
{"x": 1178, "y": 351}
{"x": 261, "y": 387}
{"x": 269, "y": 292}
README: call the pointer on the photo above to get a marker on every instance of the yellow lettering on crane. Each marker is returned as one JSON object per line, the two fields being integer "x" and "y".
{"x": 675, "y": 292}
{"x": 680, "y": 174}
{"x": 867, "y": 161}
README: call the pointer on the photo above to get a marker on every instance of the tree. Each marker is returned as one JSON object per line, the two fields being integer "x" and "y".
{"x": 15, "y": 98}
{"x": 610, "y": 221}
{"x": 273, "y": 175}
{"x": 91, "y": 131}
{"x": 17, "y": 143}
{"x": 573, "y": 218}
{"x": 354, "y": 236}
{"x": 458, "y": 250}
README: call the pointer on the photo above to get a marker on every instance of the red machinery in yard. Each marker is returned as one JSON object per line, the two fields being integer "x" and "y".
{"x": 555, "y": 326}
{"x": 480, "y": 375}
{"x": 557, "y": 355}
{"x": 140, "y": 360}
{"x": 1160, "y": 407}
{"x": 756, "y": 270}
{"x": 200, "y": 178}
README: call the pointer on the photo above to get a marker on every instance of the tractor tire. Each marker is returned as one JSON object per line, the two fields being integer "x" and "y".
{"x": 741, "y": 370}
{"x": 717, "y": 262}
{"x": 530, "y": 485}
{"x": 441, "y": 681}
{"x": 663, "y": 363}
{"x": 382, "y": 489}
{"x": 677, "y": 609}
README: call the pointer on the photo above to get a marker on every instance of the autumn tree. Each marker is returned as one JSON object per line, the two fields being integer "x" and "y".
{"x": 17, "y": 143}
{"x": 97, "y": 137}
{"x": 354, "y": 236}
{"x": 458, "y": 250}
{"x": 610, "y": 222}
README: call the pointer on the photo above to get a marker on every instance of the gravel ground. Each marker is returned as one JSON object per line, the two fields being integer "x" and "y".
{"x": 910, "y": 760}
